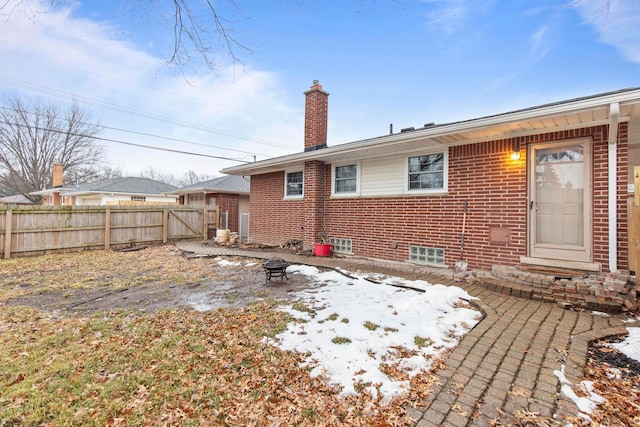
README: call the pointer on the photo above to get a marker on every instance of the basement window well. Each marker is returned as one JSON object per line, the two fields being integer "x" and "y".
{"x": 342, "y": 246}
{"x": 426, "y": 255}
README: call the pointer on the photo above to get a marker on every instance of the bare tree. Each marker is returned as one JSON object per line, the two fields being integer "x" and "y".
{"x": 158, "y": 175}
{"x": 190, "y": 177}
{"x": 199, "y": 28}
{"x": 33, "y": 137}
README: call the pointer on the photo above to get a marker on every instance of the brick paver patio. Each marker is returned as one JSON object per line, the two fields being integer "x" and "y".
{"x": 504, "y": 365}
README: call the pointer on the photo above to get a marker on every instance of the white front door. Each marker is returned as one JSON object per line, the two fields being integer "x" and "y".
{"x": 560, "y": 200}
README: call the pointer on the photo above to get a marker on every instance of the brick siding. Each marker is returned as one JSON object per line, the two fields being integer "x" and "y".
{"x": 229, "y": 203}
{"x": 274, "y": 220}
{"x": 484, "y": 175}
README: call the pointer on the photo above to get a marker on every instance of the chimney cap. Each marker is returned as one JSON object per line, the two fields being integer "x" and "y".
{"x": 316, "y": 87}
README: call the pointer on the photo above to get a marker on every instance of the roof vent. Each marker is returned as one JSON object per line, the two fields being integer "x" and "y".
{"x": 430, "y": 124}
{"x": 407, "y": 129}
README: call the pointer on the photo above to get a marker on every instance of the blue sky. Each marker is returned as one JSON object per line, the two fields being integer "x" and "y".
{"x": 406, "y": 62}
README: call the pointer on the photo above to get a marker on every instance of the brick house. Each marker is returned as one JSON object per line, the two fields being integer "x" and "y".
{"x": 546, "y": 185}
{"x": 229, "y": 193}
{"x": 112, "y": 191}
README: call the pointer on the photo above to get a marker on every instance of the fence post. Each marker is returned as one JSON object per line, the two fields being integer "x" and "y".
{"x": 7, "y": 233}
{"x": 165, "y": 225}
{"x": 205, "y": 223}
{"x": 107, "y": 229}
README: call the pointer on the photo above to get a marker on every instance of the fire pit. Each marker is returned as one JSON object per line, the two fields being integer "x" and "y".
{"x": 275, "y": 268}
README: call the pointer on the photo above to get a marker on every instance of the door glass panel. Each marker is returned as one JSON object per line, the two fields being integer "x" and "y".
{"x": 559, "y": 183}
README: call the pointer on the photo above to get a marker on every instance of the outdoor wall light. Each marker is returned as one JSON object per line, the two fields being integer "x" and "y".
{"x": 515, "y": 152}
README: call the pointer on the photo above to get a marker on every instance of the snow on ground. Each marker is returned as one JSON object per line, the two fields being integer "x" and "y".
{"x": 354, "y": 328}
{"x": 586, "y": 403}
{"x": 224, "y": 263}
{"x": 589, "y": 399}
{"x": 631, "y": 345}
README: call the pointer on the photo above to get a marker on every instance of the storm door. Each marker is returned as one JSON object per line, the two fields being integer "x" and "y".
{"x": 560, "y": 200}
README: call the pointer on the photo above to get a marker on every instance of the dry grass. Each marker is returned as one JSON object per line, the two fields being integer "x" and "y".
{"x": 164, "y": 368}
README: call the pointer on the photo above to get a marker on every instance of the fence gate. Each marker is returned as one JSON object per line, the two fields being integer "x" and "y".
{"x": 186, "y": 224}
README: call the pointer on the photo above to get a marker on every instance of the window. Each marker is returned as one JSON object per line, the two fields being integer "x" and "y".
{"x": 294, "y": 184}
{"x": 138, "y": 198}
{"x": 342, "y": 246}
{"x": 345, "y": 179}
{"x": 426, "y": 172}
{"x": 426, "y": 255}
{"x": 195, "y": 199}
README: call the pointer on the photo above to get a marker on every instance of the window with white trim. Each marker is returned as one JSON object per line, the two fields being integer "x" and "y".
{"x": 427, "y": 173}
{"x": 345, "y": 179}
{"x": 138, "y": 198}
{"x": 342, "y": 246}
{"x": 195, "y": 198}
{"x": 426, "y": 255}
{"x": 294, "y": 184}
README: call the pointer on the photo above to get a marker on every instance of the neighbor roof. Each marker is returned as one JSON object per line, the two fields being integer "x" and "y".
{"x": 224, "y": 184}
{"x": 128, "y": 185}
{"x": 17, "y": 199}
{"x": 577, "y": 112}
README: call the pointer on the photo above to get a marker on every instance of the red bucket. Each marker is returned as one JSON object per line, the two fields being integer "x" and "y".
{"x": 322, "y": 249}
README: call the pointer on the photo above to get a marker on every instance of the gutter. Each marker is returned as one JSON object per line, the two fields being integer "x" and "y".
{"x": 534, "y": 113}
{"x": 614, "y": 117}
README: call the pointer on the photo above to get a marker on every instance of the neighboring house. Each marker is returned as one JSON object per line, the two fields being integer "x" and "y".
{"x": 546, "y": 185}
{"x": 112, "y": 191}
{"x": 229, "y": 193}
{"x": 17, "y": 199}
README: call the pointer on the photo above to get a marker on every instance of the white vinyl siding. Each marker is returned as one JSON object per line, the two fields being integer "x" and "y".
{"x": 388, "y": 177}
{"x": 383, "y": 176}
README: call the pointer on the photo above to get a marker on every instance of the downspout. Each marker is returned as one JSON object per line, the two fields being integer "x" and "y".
{"x": 614, "y": 116}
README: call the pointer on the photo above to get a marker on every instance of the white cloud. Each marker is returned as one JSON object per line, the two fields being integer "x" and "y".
{"x": 448, "y": 15}
{"x": 617, "y": 23}
{"x": 451, "y": 15}
{"x": 539, "y": 43}
{"x": 56, "y": 57}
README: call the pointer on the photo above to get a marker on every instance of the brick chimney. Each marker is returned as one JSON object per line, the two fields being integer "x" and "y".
{"x": 315, "y": 117}
{"x": 58, "y": 170}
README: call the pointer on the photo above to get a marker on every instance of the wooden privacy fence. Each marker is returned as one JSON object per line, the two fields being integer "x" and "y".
{"x": 32, "y": 230}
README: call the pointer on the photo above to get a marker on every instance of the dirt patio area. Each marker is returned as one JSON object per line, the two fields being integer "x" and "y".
{"x": 228, "y": 282}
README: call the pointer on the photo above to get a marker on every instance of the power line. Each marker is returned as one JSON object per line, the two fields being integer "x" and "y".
{"x": 123, "y": 109}
{"x": 250, "y": 153}
{"x": 151, "y": 147}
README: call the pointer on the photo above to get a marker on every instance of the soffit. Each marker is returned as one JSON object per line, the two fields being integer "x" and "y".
{"x": 553, "y": 118}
